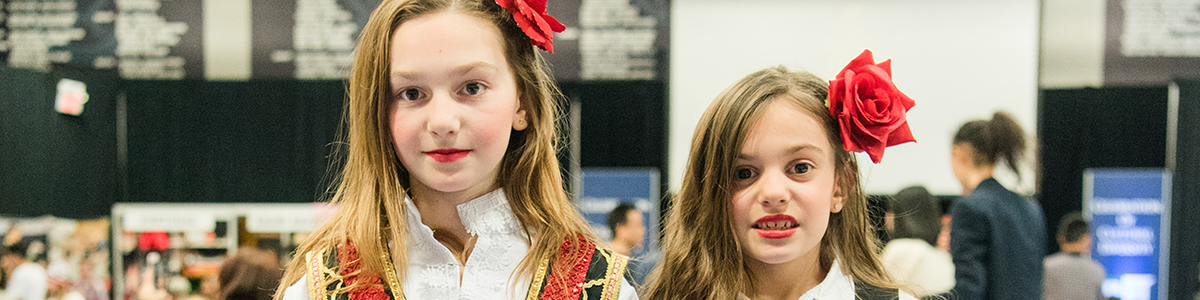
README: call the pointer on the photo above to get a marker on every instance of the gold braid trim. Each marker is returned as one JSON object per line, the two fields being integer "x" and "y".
{"x": 614, "y": 274}
{"x": 319, "y": 272}
{"x": 535, "y": 286}
{"x": 390, "y": 276}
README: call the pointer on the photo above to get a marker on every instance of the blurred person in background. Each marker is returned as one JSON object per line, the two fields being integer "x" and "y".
{"x": 628, "y": 233}
{"x": 625, "y": 221}
{"x": 251, "y": 274}
{"x": 91, "y": 286}
{"x": 1071, "y": 273}
{"x": 997, "y": 237}
{"x": 914, "y": 222}
{"x": 26, "y": 280}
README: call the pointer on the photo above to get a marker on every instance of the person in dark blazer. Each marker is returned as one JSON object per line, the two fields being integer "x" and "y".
{"x": 997, "y": 237}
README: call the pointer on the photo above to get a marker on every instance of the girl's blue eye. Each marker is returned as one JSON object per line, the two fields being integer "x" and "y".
{"x": 473, "y": 88}
{"x": 743, "y": 174}
{"x": 802, "y": 168}
{"x": 409, "y": 94}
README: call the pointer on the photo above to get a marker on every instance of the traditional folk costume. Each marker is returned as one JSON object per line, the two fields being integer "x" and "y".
{"x": 433, "y": 271}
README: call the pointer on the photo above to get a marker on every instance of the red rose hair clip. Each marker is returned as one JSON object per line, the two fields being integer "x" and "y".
{"x": 869, "y": 108}
{"x": 531, "y": 16}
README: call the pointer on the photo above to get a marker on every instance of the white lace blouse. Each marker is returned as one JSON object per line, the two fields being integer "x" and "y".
{"x": 835, "y": 286}
{"x": 499, "y": 248}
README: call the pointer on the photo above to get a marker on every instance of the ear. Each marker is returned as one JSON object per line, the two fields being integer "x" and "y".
{"x": 962, "y": 154}
{"x": 519, "y": 122}
{"x": 839, "y": 198}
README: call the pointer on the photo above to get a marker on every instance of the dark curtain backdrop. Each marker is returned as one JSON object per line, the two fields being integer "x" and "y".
{"x": 51, "y": 163}
{"x": 1095, "y": 128}
{"x": 255, "y": 141}
{"x": 1185, "y": 223}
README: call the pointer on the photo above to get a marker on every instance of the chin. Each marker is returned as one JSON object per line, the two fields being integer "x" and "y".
{"x": 774, "y": 254}
{"x": 447, "y": 184}
{"x": 775, "y": 257}
{"x": 450, "y": 186}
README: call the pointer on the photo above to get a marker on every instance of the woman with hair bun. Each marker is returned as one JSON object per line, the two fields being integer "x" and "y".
{"x": 997, "y": 237}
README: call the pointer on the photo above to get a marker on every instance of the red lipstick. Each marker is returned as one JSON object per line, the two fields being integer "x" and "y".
{"x": 447, "y": 155}
{"x": 776, "y": 226}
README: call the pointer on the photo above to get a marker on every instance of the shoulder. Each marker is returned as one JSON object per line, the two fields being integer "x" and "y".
{"x": 599, "y": 271}
{"x": 328, "y": 270}
{"x": 297, "y": 291}
{"x": 32, "y": 270}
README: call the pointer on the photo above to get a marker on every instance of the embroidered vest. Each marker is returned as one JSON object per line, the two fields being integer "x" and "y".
{"x": 597, "y": 275}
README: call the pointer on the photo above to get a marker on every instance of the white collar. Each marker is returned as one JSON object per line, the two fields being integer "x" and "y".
{"x": 836, "y": 285}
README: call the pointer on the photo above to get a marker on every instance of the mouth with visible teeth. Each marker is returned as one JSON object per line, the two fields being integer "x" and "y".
{"x": 776, "y": 226}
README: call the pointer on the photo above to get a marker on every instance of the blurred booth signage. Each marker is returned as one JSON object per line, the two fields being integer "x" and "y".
{"x": 170, "y": 220}
{"x": 274, "y": 220}
{"x": 605, "y": 188}
{"x": 1130, "y": 216}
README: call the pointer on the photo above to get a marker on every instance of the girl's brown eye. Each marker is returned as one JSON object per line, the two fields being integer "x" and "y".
{"x": 743, "y": 174}
{"x": 473, "y": 88}
{"x": 409, "y": 94}
{"x": 802, "y": 168}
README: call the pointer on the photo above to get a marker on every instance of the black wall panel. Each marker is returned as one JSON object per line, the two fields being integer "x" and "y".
{"x": 257, "y": 141}
{"x": 1185, "y": 209}
{"x": 1094, "y": 128}
{"x": 51, "y": 163}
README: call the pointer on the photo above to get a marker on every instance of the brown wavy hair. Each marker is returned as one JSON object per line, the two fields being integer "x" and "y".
{"x": 702, "y": 257}
{"x": 249, "y": 275}
{"x": 371, "y": 188}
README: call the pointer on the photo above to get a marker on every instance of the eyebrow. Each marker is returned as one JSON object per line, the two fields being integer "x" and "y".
{"x": 457, "y": 71}
{"x": 793, "y": 149}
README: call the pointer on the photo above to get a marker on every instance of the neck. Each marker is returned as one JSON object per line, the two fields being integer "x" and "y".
{"x": 786, "y": 281}
{"x": 1080, "y": 248}
{"x": 439, "y": 211}
{"x": 11, "y": 263}
{"x": 973, "y": 177}
{"x": 621, "y": 246}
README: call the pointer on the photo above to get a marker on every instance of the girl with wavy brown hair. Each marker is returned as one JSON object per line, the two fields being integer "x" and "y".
{"x": 451, "y": 188}
{"x": 771, "y": 206}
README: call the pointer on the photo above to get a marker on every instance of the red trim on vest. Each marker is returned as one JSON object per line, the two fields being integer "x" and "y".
{"x": 575, "y": 278}
{"x": 348, "y": 263}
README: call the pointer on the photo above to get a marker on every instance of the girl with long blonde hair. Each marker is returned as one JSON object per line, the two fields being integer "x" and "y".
{"x": 771, "y": 206}
{"x": 451, "y": 188}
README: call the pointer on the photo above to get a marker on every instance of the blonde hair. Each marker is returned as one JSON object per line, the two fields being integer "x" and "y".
{"x": 702, "y": 257}
{"x": 372, "y": 186}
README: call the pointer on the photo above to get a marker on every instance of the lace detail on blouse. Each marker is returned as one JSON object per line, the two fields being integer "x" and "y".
{"x": 489, "y": 214}
{"x": 499, "y": 248}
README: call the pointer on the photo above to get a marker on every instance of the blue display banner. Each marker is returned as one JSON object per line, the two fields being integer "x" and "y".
{"x": 604, "y": 189}
{"x": 1129, "y": 211}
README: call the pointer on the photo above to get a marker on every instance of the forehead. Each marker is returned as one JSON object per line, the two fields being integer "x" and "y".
{"x": 446, "y": 37}
{"x": 784, "y": 124}
{"x": 632, "y": 213}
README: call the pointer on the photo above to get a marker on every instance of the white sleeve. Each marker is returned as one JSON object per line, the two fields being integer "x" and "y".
{"x": 27, "y": 283}
{"x": 298, "y": 290}
{"x": 626, "y": 293}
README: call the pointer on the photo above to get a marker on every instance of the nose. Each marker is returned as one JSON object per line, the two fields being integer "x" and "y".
{"x": 772, "y": 189}
{"x": 444, "y": 115}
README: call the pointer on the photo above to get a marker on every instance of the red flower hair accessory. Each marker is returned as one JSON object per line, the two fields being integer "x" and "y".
{"x": 869, "y": 108}
{"x": 531, "y": 16}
